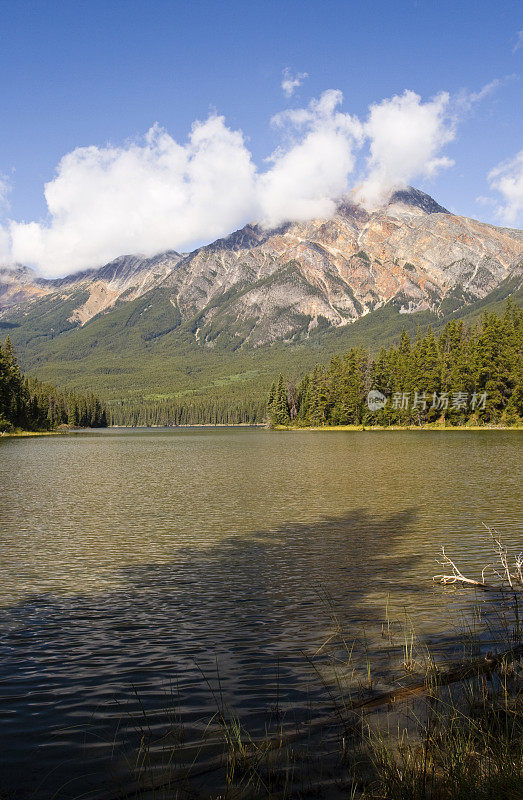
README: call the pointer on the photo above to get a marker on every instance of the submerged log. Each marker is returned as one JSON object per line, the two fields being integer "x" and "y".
{"x": 257, "y": 749}
{"x": 478, "y": 666}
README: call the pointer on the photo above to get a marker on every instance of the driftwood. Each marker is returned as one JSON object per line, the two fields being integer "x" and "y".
{"x": 511, "y": 577}
{"x": 456, "y": 576}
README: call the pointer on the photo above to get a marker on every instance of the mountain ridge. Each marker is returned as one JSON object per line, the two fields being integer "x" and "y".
{"x": 301, "y": 284}
{"x": 332, "y": 253}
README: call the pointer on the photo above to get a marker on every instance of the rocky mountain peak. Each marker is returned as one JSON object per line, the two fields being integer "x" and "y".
{"x": 261, "y": 285}
{"x": 417, "y": 199}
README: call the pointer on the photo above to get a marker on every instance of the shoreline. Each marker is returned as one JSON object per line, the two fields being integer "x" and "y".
{"x": 189, "y": 425}
{"x": 291, "y": 428}
{"x": 65, "y": 432}
{"x": 20, "y": 434}
{"x": 398, "y": 428}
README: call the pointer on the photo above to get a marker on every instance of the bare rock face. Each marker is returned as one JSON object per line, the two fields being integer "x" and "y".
{"x": 126, "y": 276}
{"x": 413, "y": 252}
{"x": 267, "y": 285}
{"x": 19, "y": 284}
{"x": 416, "y": 199}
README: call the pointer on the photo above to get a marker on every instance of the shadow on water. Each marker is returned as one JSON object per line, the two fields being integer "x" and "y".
{"x": 236, "y": 620}
{"x": 83, "y": 679}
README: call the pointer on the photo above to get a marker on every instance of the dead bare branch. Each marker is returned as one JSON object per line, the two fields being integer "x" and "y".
{"x": 457, "y": 576}
{"x": 506, "y": 575}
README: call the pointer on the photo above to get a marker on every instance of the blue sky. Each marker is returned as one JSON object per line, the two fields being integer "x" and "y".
{"x": 76, "y": 74}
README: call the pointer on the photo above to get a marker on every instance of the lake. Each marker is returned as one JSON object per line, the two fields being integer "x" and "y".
{"x": 157, "y": 575}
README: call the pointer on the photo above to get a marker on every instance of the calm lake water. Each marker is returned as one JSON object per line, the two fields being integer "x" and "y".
{"x": 151, "y": 570}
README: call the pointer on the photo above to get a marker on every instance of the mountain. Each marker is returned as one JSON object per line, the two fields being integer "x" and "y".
{"x": 264, "y": 286}
{"x": 179, "y": 323}
{"x": 127, "y": 277}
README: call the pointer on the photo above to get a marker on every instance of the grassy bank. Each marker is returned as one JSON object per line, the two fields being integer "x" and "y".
{"x": 430, "y": 427}
{"x": 18, "y": 434}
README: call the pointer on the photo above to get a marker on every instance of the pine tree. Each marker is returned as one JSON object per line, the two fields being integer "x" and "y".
{"x": 422, "y": 379}
{"x": 271, "y": 404}
{"x": 318, "y": 397}
{"x": 30, "y": 405}
{"x": 281, "y": 407}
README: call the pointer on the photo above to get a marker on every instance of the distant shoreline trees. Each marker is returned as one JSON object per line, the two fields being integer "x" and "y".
{"x": 172, "y": 412}
{"x": 462, "y": 375}
{"x": 30, "y": 405}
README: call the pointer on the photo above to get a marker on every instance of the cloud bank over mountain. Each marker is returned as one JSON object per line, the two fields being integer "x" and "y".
{"x": 156, "y": 194}
{"x": 405, "y": 138}
{"x": 144, "y": 197}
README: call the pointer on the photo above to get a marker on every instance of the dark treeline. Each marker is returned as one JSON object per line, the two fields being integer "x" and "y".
{"x": 172, "y": 412}
{"x": 464, "y": 375}
{"x": 27, "y": 404}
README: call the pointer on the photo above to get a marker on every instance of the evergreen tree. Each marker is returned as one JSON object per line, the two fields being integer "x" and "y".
{"x": 318, "y": 397}
{"x": 281, "y": 406}
{"x": 464, "y": 374}
{"x": 31, "y": 405}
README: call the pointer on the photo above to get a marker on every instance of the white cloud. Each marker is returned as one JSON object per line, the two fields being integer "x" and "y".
{"x": 5, "y": 246}
{"x": 507, "y": 179}
{"x": 464, "y": 101}
{"x": 291, "y": 82}
{"x": 5, "y": 188}
{"x": 406, "y": 137}
{"x": 485, "y": 201}
{"x": 145, "y": 197}
{"x": 519, "y": 41}
{"x": 307, "y": 178}
{"x": 156, "y": 194}
{"x": 488, "y": 88}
